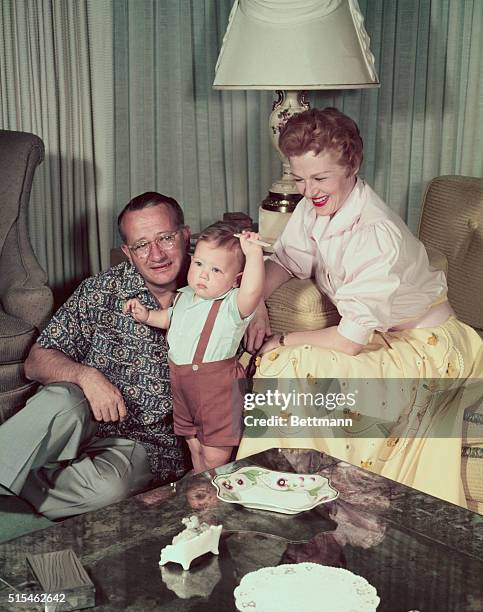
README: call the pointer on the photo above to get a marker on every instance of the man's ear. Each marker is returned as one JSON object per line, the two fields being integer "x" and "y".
{"x": 127, "y": 252}
{"x": 237, "y": 280}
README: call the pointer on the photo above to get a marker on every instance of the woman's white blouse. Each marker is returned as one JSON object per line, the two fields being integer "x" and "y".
{"x": 365, "y": 259}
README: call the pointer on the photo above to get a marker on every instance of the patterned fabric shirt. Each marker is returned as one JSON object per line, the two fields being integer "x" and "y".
{"x": 91, "y": 329}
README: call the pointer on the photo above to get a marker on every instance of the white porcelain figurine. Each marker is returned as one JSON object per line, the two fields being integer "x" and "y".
{"x": 195, "y": 540}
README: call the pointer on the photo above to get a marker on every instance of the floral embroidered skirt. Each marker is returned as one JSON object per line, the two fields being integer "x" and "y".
{"x": 422, "y": 446}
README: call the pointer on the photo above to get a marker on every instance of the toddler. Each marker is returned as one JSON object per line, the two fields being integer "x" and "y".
{"x": 206, "y": 324}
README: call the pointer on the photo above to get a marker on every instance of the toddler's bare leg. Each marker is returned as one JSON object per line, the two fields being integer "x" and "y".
{"x": 214, "y": 456}
{"x": 196, "y": 454}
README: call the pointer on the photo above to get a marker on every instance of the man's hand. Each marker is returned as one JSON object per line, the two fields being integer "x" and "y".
{"x": 105, "y": 400}
{"x": 258, "y": 329}
{"x": 139, "y": 312}
{"x": 50, "y": 366}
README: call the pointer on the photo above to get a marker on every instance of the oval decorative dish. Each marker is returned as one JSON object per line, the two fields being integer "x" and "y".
{"x": 284, "y": 492}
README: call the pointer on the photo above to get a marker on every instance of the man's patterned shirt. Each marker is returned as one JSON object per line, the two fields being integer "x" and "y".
{"x": 91, "y": 329}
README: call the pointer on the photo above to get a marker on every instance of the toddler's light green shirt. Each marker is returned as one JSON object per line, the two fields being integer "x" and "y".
{"x": 188, "y": 317}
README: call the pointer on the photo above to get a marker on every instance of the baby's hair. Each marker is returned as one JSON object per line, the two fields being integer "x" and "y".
{"x": 220, "y": 234}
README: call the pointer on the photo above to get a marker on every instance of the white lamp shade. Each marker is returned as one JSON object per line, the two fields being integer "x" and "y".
{"x": 295, "y": 45}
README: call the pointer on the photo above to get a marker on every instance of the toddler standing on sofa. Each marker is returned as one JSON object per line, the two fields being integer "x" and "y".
{"x": 205, "y": 326}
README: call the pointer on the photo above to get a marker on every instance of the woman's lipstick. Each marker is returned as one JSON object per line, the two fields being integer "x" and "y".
{"x": 319, "y": 202}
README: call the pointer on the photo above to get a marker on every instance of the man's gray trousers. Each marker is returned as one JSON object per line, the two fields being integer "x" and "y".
{"x": 51, "y": 457}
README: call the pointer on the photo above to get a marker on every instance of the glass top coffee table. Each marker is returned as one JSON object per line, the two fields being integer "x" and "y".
{"x": 419, "y": 552}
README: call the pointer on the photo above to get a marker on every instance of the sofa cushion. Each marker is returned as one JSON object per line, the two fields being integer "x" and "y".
{"x": 16, "y": 338}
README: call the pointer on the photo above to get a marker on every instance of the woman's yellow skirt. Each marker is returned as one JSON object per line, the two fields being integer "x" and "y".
{"x": 427, "y": 455}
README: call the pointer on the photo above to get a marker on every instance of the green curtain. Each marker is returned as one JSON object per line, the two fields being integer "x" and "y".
{"x": 173, "y": 132}
{"x": 120, "y": 91}
{"x": 56, "y": 81}
{"x": 212, "y": 150}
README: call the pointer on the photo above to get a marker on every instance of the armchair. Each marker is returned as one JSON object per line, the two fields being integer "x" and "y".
{"x": 25, "y": 300}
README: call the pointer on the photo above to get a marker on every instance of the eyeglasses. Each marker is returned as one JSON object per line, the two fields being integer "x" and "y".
{"x": 163, "y": 241}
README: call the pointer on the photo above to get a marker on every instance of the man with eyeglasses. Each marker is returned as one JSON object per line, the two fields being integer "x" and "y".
{"x": 101, "y": 428}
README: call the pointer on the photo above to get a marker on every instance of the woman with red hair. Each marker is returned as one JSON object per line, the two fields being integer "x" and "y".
{"x": 396, "y": 321}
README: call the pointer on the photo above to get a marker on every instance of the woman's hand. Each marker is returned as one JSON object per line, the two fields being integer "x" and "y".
{"x": 258, "y": 329}
{"x": 139, "y": 312}
{"x": 270, "y": 345}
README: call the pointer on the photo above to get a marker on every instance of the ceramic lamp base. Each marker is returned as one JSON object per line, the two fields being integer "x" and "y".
{"x": 271, "y": 223}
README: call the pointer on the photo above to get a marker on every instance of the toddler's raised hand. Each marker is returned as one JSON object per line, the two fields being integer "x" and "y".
{"x": 139, "y": 312}
{"x": 247, "y": 246}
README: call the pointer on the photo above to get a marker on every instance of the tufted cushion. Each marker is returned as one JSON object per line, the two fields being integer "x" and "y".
{"x": 452, "y": 222}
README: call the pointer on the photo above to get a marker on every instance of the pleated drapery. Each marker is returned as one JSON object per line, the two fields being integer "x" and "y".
{"x": 174, "y": 133}
{"x": 120, "y": 92}
{"x": 56, "y": 81}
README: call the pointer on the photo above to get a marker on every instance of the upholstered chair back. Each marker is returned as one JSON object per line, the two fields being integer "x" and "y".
{"x": 25, "y": 299}
{"x": 452, "y": 222}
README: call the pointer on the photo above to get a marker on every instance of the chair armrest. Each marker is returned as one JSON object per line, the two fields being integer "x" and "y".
{"x": 298, "y": 305}
{"x": 23, "y": 290}
{"x": 31, "y": 304}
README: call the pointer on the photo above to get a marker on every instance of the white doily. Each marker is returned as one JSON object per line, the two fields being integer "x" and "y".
{"x": 305, "y": 586}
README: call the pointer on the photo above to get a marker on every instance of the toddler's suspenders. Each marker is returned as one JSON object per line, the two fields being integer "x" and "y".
{"x": 206, "y": 332}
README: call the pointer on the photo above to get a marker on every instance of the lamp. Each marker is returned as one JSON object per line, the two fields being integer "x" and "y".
{"x": 291, "y": 46}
